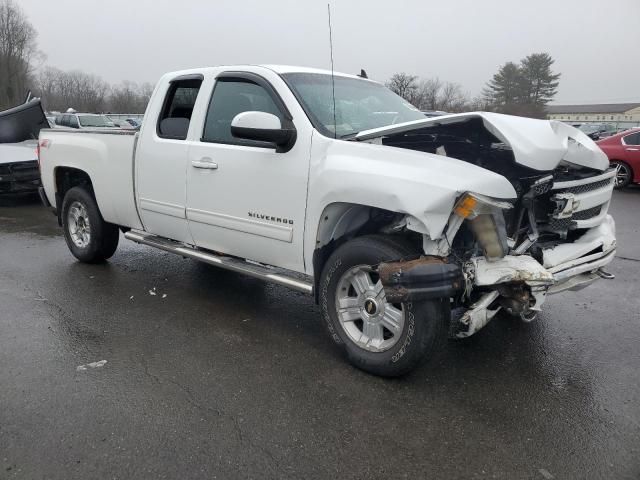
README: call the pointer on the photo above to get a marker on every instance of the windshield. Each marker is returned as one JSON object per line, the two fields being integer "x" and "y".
{"x": 95, "y": 121}
{"x": 359, "y": 104}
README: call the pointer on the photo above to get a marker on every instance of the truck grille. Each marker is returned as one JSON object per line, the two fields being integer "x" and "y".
{"x": 587, "y": 187}
{"x": 569, "y": 205}
{"x": 559, "y": 224}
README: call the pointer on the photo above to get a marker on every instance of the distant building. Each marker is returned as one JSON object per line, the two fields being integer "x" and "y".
{"x": 623, "y": 113}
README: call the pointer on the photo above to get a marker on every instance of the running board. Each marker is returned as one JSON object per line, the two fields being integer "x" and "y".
{"x": 255, "y": 270}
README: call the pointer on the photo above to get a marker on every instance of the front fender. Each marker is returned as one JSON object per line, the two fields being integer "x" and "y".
{"x": 421, "y": 185}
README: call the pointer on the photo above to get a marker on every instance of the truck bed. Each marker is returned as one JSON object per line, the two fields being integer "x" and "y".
{"x": 106, "y": 156}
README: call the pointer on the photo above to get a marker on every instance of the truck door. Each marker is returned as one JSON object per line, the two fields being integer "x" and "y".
{"x": 243, "y": 197}
{"x": 161, "y": 162}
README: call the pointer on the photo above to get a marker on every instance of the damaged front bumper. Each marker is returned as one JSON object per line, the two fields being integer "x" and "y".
{"x": 423, "y": 278}
{"x": 569, "y": 266}
{"x": 517, "y": 283}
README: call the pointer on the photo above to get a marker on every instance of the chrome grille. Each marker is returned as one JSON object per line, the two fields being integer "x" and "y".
{"x": 587, "y": 214}
{"x": 588, "y": 187}
{"x": 566, "y": 199}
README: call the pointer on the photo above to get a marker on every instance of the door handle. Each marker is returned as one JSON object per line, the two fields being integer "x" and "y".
{"x": 633, "y": 149}
{"x": 204, "y": 163}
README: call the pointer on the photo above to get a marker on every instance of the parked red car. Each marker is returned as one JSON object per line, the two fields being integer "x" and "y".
{"x": 623, "y": 151}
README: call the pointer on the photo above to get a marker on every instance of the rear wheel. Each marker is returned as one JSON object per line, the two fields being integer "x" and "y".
{"x": 89, "y": 238}
{"x": 387, "y": 339}
{"x": 624, "y": 175}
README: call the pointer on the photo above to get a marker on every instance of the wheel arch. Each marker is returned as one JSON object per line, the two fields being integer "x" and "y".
{"x": 343, "y": 221}
{"x": 65, "y": 179}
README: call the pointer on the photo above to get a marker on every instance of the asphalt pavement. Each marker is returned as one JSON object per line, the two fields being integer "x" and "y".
{"x": 210, "y": 374}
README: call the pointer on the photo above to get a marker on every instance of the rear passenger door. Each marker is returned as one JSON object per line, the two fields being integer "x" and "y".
{"x": 161, "y": 161}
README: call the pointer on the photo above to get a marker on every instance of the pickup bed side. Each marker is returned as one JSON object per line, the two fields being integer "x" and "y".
{"x": 106, "y": 158}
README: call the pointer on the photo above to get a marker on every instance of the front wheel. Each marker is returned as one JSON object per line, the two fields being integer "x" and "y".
{"x": 89, "y": 238}
{"x": 386, "y": 339}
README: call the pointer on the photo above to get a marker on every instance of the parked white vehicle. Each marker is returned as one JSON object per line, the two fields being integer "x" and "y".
{"x": 83, "y": 121}
{"x": 19, "y": 128}
{"x": 388, "y": 217}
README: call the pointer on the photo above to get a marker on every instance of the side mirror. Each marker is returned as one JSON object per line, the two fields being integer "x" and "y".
{"x": 263, "y": 127}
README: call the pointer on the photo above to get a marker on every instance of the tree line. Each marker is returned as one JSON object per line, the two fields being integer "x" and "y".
{"x": 84, "y": 92}
{"x": 522, "y": 89}
{"x": 433, "y": 93}
{"x": 22, "y": 69}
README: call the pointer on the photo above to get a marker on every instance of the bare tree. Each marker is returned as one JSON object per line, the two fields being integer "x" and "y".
{"x": 17, "y": 49}
{"x": 404, "y": 85}
{"x": 452, "y": 98}
{"x": 429, "y": 93}
{"x": 129, "y": 97}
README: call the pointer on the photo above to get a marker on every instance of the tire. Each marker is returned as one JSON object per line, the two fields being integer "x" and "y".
{"x": 89, "y": 238}
{"x": 393, "y": 348}
{"x": 624, "y": 174}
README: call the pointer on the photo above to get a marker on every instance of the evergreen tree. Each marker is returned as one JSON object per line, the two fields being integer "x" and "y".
{"x": 539, "y": 83}
{"x": 523, "y": 89}
{"x": 504, "y": 90}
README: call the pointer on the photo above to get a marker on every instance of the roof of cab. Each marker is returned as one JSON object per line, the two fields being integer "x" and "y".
{"x": 280, "y": 69}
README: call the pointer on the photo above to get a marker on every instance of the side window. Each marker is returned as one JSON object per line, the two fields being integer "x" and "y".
{"x": 633, "y": 139}
{"x": 73, "y": 121}
{"x": 178, "y": 106}
{"x": 232, "y": 96}
{"x": 65, "y": 121}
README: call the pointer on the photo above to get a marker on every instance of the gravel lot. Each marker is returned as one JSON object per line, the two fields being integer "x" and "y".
{"x": 228, "y": 377}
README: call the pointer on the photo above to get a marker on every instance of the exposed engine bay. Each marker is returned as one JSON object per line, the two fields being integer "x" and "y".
{"x": 556, "y": 233}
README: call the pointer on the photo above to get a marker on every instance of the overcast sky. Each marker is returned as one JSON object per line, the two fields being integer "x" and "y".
{"x": 596, "y": 44}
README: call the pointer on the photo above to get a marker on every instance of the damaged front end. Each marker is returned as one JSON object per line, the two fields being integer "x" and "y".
{"x": 552, "y": 248}
{"x": 495, "y": 254}
{"x": 423, "y": 278}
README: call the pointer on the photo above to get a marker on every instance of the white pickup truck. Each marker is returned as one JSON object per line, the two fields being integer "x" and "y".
{"x": 403, "y": 227}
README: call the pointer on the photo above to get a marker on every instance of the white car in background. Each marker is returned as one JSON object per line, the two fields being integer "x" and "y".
{"x": 19, "y": 129}
{"x": 84, "y": 121}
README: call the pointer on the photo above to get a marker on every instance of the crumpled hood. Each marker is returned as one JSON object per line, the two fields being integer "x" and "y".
{"x": 538, "y": 144}
{"x": 18, "y": 152}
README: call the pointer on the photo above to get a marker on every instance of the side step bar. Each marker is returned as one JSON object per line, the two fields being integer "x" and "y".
{"x": 255, "y": 270}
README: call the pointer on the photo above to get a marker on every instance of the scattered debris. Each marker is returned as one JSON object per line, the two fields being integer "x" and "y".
{"x": 545, "y": 474}
{"x": 99, "y": 364}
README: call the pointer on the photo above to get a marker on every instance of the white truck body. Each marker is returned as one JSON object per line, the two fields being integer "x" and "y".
{"x": 280, "y": 207}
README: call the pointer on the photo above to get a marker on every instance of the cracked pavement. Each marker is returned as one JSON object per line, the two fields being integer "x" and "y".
{"x": 228, "y": 377}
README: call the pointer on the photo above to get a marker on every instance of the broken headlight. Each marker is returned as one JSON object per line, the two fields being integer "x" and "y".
{"x": 486, "y": 220}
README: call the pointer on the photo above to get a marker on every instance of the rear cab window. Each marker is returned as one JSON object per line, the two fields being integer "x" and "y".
{"x": 175, "y": 117}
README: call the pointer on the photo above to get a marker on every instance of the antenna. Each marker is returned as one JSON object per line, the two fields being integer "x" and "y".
{"x": 333, "y": 79}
